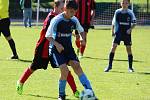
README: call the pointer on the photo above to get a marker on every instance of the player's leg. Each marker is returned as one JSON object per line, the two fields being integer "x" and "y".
{"x": 130, "y": 58}
{"x": 72, "y": 84}
{"x": 38, "y": 63}
{"x": 13, "y": 47}
{"x": 25, "y": 75}
{"x": 111, "y": 57}
{"x": 128, "y": 43}
{"x": 30, "y": 16}
{"x": 55, "y": 63}
{"x": 7, "y": 35}
{"x": 25, "y": 17}
{"x": 62, "y": 81}
{"x": 81, "y": 75}
{"x": 74, "y": 63}
{"x": 82, "y": 47}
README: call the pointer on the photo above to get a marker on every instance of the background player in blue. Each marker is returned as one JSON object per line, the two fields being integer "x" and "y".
{"x": 123, "y": 22}
{"x": 61, "y": 51}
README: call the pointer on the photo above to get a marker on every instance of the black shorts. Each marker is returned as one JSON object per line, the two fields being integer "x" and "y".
{"x": 85, "y": 27}
{"x": 39, "y": 63}
{"x": 4, "y": 27}
{"x": 126, "y": 39}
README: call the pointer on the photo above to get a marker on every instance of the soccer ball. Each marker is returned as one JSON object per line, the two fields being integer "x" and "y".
{"x": 87, "y": 94}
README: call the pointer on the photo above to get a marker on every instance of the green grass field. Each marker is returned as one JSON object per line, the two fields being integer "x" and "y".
{"x": 43, "y": 85}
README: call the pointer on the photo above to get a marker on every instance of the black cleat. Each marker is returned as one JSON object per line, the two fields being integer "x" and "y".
{"x": 107, "y": 69}
{"x": 131, "y": 70}
{"x": 62, "y": 97}
{"x": 14, "y": 57}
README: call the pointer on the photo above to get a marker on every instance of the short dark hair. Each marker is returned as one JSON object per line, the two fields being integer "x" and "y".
{"x": 126, "y": 0}
{"x": 71, "y": 4}
{"x": 57, "y": 2}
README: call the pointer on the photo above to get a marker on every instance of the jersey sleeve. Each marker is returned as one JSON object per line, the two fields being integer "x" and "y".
{"x": 79, "y": 28}
{"x": 114, "y": 18}
{"x": 51, "y": 31}
{"x": 133, "y": 18}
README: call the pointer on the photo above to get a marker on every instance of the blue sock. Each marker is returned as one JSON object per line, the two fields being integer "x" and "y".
{"x": 85, "y": 82}
{"x": 62, "y": 86}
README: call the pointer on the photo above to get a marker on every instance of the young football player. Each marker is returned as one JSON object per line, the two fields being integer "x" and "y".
{"x": 61, "y": 51}
{"x": 41, "y": 57}
{"x": 122, "y": 24}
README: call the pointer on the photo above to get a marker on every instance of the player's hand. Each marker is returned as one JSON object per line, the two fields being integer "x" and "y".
{"x": 77, "y": 36}
{"x": 59, "y": 48}
{"x": 113, "y": 34}
{"x": 129, "y": 31}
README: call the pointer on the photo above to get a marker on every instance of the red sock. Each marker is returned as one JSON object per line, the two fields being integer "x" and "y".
{"x": 78, "y": 43}
{"x": 82, "y": 49}
{"x": 25, "y": 75}
{"x": 71, "y": 82}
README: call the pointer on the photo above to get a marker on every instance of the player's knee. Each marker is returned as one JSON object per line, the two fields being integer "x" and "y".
{"x": 77, "y": 68}
{"x": 33, "y": 67}
{"x": 64, "y": 72}
{"x": 8, "y": 38}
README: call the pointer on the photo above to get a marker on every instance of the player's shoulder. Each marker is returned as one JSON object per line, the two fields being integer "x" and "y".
{"x": 118, "y": 10}
{"x": 58, "y": 18}
{"x": 74, "y": 18}
{"x": 130, "y": 11}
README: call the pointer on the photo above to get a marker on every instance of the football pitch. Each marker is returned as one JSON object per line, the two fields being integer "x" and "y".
{"x": 118, "y": 84}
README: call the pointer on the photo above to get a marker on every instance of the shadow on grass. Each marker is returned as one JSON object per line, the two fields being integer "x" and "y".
{"x": 24, "y": 60}
{"x": 96, "y": 58}
{"x": 21, "y": 60}
{"x": 84, "y": 57}
{"x": 117, "y": 72}
{"x": 40, "y": 96}
{"x": 144, "y": 73}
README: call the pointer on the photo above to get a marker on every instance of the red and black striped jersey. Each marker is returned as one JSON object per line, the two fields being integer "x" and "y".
{"x": 84, "y": 10}
{"x": 43, "y": 44}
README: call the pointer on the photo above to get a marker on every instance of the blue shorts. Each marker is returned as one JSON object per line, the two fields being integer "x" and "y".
{"x": 4, "y": 27}
{"x": 58, "y": 59}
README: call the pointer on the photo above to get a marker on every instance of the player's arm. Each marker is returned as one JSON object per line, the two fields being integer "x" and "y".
{"x": 58, "y": 46}
{"x": 112, "y": 30}
{"x": 81, "y": 32}
{"x": 51, "y": 35}
{"x": 133, "y": 23}
{"x": 113, "y": 25}
{"x": 93, "y": 7}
